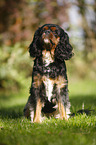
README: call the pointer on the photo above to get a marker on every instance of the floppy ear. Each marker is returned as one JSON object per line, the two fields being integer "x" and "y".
{"x": 64, "y": 49}
{"x": 34, "y": 48}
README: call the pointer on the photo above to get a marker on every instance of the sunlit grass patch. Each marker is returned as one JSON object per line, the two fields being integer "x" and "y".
{"x": 80, "y": 129}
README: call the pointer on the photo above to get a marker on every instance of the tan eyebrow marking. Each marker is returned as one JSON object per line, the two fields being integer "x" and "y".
{"x": 45, "y": 28}
{"x": 53, "y": 28}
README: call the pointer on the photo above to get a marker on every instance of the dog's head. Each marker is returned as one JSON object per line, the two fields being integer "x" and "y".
{"x": 51, "y": 37}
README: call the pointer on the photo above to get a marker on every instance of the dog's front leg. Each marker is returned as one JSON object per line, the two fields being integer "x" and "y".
{"x": 37, "y": 83}
{"x": 61, "y": 89}
{"x": 38, "y": 111}
{"x": 62, "y": 110}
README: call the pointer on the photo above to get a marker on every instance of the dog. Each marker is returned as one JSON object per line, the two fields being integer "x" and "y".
{"x": 49, "y": 89}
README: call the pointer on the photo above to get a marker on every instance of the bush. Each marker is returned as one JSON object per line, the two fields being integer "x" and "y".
{"x": 15, "y": 65}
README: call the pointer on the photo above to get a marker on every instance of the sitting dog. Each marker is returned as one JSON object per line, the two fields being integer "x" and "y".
{"x": 49, "y": 89}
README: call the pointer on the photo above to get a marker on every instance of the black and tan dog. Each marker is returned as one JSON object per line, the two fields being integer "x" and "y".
{"x": 49, "y": 90}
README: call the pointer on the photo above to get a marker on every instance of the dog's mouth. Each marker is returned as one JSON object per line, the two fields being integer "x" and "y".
{"x": 46, "y": 40}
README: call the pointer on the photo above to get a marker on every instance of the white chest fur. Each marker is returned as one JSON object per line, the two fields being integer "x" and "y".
{"x": 48, "y": 86}
{"x": 47, "y": 57}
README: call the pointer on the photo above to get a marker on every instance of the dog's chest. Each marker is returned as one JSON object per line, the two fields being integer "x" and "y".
{"x": 48, "y": 57}
{"x": 48, "y": 87}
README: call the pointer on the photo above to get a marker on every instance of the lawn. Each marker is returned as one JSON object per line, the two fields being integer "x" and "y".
{"x": 78, "y": 130}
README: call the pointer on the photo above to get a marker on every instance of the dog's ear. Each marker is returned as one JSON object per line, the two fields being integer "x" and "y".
{"x": 64, "y": 49}
{"x": 34, "y": 48}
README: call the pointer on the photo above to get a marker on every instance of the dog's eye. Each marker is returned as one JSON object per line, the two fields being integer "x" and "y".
{"x": 55, "y": 32}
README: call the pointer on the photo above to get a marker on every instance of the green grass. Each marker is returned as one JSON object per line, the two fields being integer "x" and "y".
{"x": 78, "y": 130}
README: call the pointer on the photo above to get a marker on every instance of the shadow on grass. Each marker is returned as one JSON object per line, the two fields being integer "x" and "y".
{"x": 89, "y": 102}
{"x": 11, "y": 113}
{"x": 76, "y": 104}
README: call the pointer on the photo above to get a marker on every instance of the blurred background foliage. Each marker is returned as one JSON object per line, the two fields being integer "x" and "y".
{"x": 19, "y": 19}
